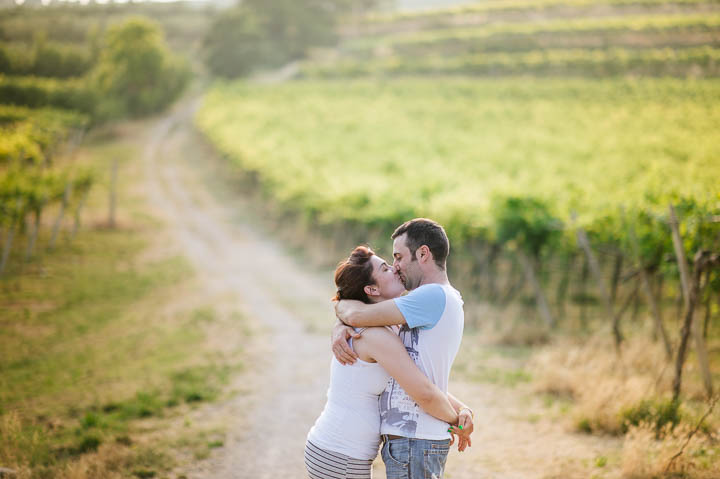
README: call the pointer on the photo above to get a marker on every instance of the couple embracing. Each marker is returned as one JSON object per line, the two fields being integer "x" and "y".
{"x": 393, "y": 354}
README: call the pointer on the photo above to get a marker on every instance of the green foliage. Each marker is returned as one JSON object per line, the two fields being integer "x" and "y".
{"x": 658, "y": 412}
{"x": 136, "y": 74}
{"x": 527, "y": 222}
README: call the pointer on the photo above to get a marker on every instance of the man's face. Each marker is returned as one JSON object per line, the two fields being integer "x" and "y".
{"x": 405, "y": 265}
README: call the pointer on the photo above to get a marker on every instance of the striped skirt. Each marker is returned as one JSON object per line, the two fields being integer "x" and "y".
{"x": 322, "y": 464}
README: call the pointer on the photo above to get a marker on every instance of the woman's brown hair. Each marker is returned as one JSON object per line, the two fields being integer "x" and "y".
{"x": 353, "y": 274}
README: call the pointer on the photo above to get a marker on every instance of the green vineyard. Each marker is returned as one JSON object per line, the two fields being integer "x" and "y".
{"x": 376, "y": 152}
{"x": 516, "y": 125}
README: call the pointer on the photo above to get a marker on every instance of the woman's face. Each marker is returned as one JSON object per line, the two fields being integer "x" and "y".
{"x": 387, "y": 281}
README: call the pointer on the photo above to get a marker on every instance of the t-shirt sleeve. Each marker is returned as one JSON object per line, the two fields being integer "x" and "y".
{"x": 423, "y": 307}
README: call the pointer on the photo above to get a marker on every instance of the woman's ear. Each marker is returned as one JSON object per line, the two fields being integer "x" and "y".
{"x": 371, "y": 290}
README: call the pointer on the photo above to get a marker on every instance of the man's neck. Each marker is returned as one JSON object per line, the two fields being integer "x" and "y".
{"x": 436, "y": 276}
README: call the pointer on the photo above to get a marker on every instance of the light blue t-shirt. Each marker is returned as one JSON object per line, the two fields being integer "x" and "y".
{"x": 422, "y": 307}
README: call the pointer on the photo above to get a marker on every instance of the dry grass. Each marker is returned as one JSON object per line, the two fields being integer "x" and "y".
{"x": 647, "y": 456}
{"x": 629, "y": 394}
{"x": 609, "y": 389}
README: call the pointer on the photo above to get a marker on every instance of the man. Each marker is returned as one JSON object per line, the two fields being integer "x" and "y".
{"x": 431, "y": 318}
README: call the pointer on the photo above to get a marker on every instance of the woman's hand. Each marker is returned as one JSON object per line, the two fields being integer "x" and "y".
{"x": 464, "y": 429}
{"x": 340, "y": 347}
{"x": 464, "y": 440}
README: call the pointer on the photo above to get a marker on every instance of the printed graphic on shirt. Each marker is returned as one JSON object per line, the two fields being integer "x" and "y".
{"x": 397, "y": 409}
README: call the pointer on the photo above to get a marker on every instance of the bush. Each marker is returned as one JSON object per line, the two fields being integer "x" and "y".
{"x": 657, "y": 413}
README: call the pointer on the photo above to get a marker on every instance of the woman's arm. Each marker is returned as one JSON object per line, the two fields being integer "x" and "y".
{"x": 387, "y": 349}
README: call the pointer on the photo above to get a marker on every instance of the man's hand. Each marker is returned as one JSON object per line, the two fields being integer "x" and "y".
{"x": 344, "y": 308}
{"x": 340, "y": 347}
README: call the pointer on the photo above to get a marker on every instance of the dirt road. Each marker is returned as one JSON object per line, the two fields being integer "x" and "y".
{"x": 284, "y": 389}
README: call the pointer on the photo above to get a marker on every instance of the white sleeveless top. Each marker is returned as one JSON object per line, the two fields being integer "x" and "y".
{"x": 350, "y": 422}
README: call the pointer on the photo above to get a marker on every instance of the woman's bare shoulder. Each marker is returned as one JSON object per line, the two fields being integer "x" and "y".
{"x": 379, "y": 334}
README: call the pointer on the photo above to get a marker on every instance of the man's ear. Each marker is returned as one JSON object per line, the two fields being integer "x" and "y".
{"x": 423, "y": 253}
{"x": 371, "y": 290}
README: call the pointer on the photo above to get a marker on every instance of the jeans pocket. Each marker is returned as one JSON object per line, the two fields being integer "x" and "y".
{"x": 434, "y": 459}
{"x": 396, "y": 458}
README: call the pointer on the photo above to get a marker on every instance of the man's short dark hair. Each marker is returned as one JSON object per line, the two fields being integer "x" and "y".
{"x": 422, "y": 231}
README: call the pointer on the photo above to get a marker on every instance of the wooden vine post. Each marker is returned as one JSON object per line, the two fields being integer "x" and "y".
{"x": 531, "y": 275}
{"x": 15, "y": 216}
{"x": 78, "y": 212}
{"x": 113, "y": 194}
{"x": 690, "y": 291}
{"x": 32, "y": 237}
{"x": 652, "y": 300}
{"x": 61, "y": 213}
{"x": 584, "y": 243}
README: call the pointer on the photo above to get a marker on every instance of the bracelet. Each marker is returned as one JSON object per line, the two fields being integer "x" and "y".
{"x": 472, "y": 414}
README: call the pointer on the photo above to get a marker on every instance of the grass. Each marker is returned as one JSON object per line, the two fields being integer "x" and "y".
{"x": 96, "y": 360}
{"x": 483, "y": 362}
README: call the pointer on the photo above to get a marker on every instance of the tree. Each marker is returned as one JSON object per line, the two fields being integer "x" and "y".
{"x": 234, "y": 44}
{"x": 269, "y": 33}
{"x": 136, "y": 74}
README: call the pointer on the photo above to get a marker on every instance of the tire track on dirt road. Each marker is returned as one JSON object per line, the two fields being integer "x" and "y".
{"x": 267, "y": 427}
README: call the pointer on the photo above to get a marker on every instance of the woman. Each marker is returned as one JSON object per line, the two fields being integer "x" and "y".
{"x": 345, "y": 438}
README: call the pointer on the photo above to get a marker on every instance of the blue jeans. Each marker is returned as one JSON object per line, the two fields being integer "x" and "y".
{"x": 407, "y": 458}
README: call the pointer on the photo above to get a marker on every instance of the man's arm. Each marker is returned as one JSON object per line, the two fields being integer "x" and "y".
{"x": 362, "y": 315}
